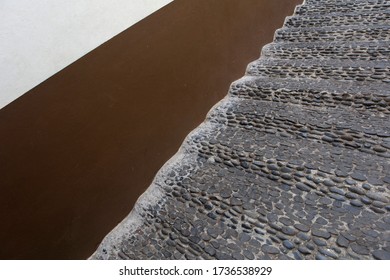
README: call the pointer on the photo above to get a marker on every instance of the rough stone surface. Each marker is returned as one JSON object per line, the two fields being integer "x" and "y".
{"x": 293, "y": 164}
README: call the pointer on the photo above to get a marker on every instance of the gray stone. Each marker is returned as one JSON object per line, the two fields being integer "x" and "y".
{"x": 303, "y": 236}
{"x": 377, "y": 196}
{"x": 237, "y": 256}
{"x": 249, "y": 255}
{"x": 288, "y": 244}
{"x": 381, "y": 255}
{"x": 270, "y": 249}
{"x": 235, "y": 201}
{"x": 325, "y": 200}
{"x": 303, "y": 187}
{"x": 289, "y": 230}
{"x": 321, "y": 221}
{"x": 358, "y": 249}
{"x": 319, "y": 241}
{"x": 328, "y": 253}
{"x": 358, "y": 176}
{"x": 356, "y": 203}
{"x": 210, "y": 250}
{"x": 297, "y": 256}
{"x": 302, "y": 227}
{"x": 244, "y": 237}
{"x": 304, "y": 250}
{"x": 320, "y": 233}
{"x": 342, "y": 241}
{"x": 321, "y": 257}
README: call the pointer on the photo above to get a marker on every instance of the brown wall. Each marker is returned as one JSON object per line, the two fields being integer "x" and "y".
{"x": 78, "y": 150}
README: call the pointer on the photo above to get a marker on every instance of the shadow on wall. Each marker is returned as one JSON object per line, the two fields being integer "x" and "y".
{"x": 78, "y": 150}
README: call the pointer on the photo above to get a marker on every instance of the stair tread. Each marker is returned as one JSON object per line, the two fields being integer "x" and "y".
{"x": 378, "y": 50}
{"x": 339, "y": 7}
{"x": 341, "y": 33}
{"x": 338, "y": 19}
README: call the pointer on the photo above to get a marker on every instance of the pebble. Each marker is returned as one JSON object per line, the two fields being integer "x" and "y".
{"x": 288, "y": 244}
{"x": 365, "y": 200}
{"x": 327, "y": 252}
{"x": 289, "y": 230}
{"x": 341, "y": 173}
{"x": 348, "y": 236}
{"x": 321, "y": 221}
{"x": 321, "y": 257}
{"x": 222, "y": 256}
{"x": 356, "y": 203}
{"x": 244, "y": 237}
{"x": 358, "y": 249}
{"x": 319, "y": 241}
{"x": 303, "y": 236}
{"x": 350, "y": 182}
{"x": 366, "y": 186}
{"x": 235, "y": 201}
{"x": 357, "y": 190}
{"x": 377, "y": 196}
{"x": 304, "y": 250}
{"x": 386, "y": 179}
{"x": 381, "y": 255}
{"x": 342, "y": 241}
{"x": 329, "y": 183}
{"x": 237, "y": 256}
{"x": 302, "y": 227}
{"x": 297, "y": 256}
{"x": 358, "y": 176}
{"x": 379, "y": 204}
{"x": 337, "y": 190}
{"x": 325, "y": 200}
{"x": 320, "y": 233}
{"x": 285, "y": 221}
{"x": 337, "y": 196}
{"x": 270, "y": 249}
{"x": 379, "y": 149}
{"x": 327, "y": 139}
{"x": 212, "y": 232}
{"x": 303, "y": 187}
{"x": 248, "y": 254}
{"x": 352, "y": 195}
{"x": 347, "y": 137}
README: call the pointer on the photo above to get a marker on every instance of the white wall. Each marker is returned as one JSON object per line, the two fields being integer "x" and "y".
{"x": 40, "y": 37}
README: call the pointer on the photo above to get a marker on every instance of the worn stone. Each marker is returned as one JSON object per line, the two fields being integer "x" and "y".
{"x": 381, "y": 255}
{"x": 320, "y": 233}
{"x": 302, "y": 227}
{"x": 288, "y": 244}
{"x": 342, "y": 241}
{"x": 269, "y": 249}
{"x": 358, "y": 249}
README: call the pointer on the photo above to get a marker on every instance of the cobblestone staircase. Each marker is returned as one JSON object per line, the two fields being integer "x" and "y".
{"x": 294, "y": 163}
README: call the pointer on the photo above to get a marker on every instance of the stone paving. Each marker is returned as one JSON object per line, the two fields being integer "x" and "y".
{"x": 293, "y": 164}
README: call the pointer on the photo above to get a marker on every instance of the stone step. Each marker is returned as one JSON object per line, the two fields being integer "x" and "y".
{"x": 342, "y": 7}
{"x": 328, "y": 50}
{"x": 315, "y": 93}
{"x": 332, "y": 126}
{"x": 281, "y": 179}
{"x": 276, "y": 145}
{"x": 368, "y": 71}
{"x": 328, "y": 34}
{"x": 342, "y": 19}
